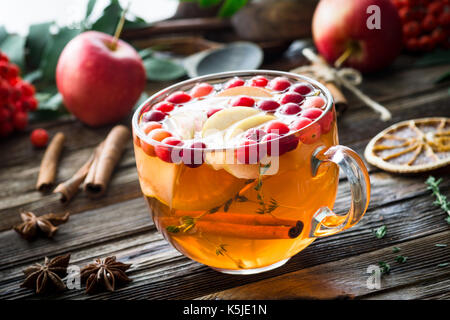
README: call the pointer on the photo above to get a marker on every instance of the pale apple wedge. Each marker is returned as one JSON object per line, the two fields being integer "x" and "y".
{"x": 225, "y": 118}
{"x": 247, "y": 123}
{"x": 245, "y": 91}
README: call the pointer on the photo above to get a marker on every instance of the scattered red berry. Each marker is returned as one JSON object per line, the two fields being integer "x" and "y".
{"x": 300, "y": 123}
{"x": 312, "y": 113}
{"x": 314, "y": 102}
{"x": 194, "y": 155}
{"x": 243, "y": 102}
{"x": 39, "y": 138}
{"x": 268, "y": 105}
{"x": 326, "y": 122}
{"x": 292, "y": 97}
{"x": 201, "y": 90}
{"x": 279, "y": 84}
{"x": 167, "y": 153}
{"x": 429, "y": 23}
{"x": 424, "y": 23}
{"x": 16, "y": 98}
{"x": 153, "y": 115}
{"x": 275, "y": 145}
{"x": 248, "y": 152}
{"x": 277, "y": 127}
{"x": 435, "y": 8}
{"x": 178, "y": 97}
{"x": 6, "y": 129}
{"x": 211, "y": 111}
{"x": 311, "y": 134}
{"x": 302, "y": 89}
{"x": 259, "y": 81}
{"x": 290, "y": 108}
{"x": 164, "y": 107}
{"x": 254, "y": 134}
{"x": 157, "y": 135}
{"x": 426, "y": 43}
{"x": 147, "y": 127}
{"x": 20, "y": 120}
{"x": 235, "y": 82}
{"x": 411, "y": 29}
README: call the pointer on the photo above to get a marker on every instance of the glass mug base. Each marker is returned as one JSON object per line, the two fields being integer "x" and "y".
{"x": 252, "y": 271}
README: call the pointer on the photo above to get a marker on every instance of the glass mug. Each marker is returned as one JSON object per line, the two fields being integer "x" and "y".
{"x": 249, "y": 218}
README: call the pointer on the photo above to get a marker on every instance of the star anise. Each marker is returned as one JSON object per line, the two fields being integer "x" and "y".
{"x": 47, "y": 277}
{"x": 104, "y": 274}
{"x": 45, "y": 224}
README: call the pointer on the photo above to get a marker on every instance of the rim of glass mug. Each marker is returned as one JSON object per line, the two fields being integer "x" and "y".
{"x": 160, "y": 95}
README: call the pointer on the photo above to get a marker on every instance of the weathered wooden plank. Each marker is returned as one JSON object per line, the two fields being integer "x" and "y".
{"x": 386, "y": 190}
{"x": 348, "y": 277}
{"x": 362, "y": 124}
{"x": 422, "y": 289}
{"x": 82, "y": 230}
{"x": 178, "y": 277}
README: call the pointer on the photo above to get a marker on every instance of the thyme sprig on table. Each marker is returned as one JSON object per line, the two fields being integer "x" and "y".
{"x": 441, "y": 200}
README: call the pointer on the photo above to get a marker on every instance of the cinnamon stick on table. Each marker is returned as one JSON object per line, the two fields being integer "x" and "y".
{"x": 102, "y": 166}
{"x": 69, "y": 188}
{"x": 49, "y": 163}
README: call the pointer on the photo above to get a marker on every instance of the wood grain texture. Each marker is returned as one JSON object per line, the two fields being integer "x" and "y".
{"x": 119, "y": 223}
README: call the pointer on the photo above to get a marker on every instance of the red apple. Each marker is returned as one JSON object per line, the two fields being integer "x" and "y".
{"x": 99, "y": 84}
{"x": 340, "y": 25}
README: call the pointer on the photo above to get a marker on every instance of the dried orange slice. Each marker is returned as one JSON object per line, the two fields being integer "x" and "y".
{"x": 411, "y": 146}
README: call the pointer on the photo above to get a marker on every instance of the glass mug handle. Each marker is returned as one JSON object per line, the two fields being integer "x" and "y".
{"x": 325, "y": 222}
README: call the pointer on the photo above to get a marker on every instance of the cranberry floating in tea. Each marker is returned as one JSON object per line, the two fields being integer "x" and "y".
{"x": 241, "y": 169}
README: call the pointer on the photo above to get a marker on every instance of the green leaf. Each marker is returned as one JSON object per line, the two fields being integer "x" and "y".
{"x": 158, "y": 69}
{"x": 208, "y": 3}
{"x": 137, "y": 22}
{"x": 395, "y": 249}
{"x": 440, "y": 245}
{"x": 38, "y": 36}
{"x": 3, "y": 33}
{"x": 108, "y": 21}
{"x": 230, "y": 7}
{"x": 14, "y": 47}
{"x": 146, "y": 53}
{"x": 401, "y": 259}
{"x": 173, "y": 229}
{"x": 53, "y": 49}
{"x": 54, "y": 103}
{"x": 443, "y": 77}
{"x": 90, "y": 8}
{"x": 33, "y": 76}
{"x": 441, "y": 265}
{"x": 385, "y": 267}
{"x": 434, "y": 58}
{"x": 46, "y": 115}
{"x": 380, "y": 232}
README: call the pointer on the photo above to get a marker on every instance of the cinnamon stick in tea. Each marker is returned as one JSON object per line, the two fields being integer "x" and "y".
{"x": 244, "y": 231}
{"x": 69, "y": 188}
{"x": 49, "y": 163}
{"x": 102, "y": 167}
{"x": 249, "y": 219}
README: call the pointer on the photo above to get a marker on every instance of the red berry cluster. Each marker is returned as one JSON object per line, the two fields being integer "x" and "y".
{"x": 426, "y": 23}
{"x": 16, "y": 98}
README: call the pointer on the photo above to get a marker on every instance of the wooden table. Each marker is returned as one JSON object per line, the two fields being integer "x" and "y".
{"x": 334, "y": 267}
